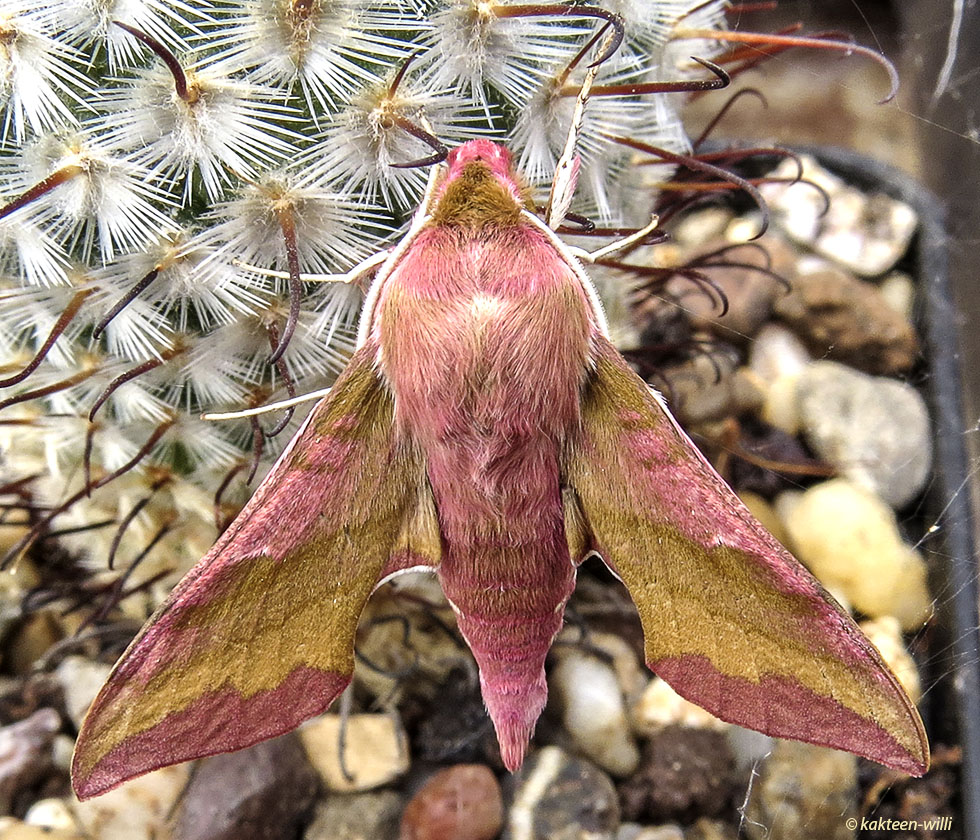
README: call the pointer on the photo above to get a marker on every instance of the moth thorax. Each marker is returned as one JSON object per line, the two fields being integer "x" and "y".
{"x": 476, "y": 198}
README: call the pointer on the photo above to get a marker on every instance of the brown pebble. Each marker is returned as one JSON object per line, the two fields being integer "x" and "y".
{"x": 462, "y": 802}
{"x": 841, "y": 317}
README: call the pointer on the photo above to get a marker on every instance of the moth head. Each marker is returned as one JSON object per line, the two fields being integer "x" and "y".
{"x": 480, "y": 187}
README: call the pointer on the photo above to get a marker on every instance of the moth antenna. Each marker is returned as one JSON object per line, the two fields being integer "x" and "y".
{"x": 287, "y": 223}
{"x": 165, "y": 55}
{"x": 723, "y": 111}
{"x": 22, "y": 545}
{"x": 219, "y": 522}
{"x": 566, "y": 170}
{"x": 618, "y": 232}
{"x": 440, "y": 150}
{"x": 66, "y": 317}
{"x": 797, "y": 41}
{"x": 132, "y": 374}
{"x": 722, "y": 80}
{"x": 700, "y": 166}
{"x": 263, "y": 409}
{"x": 568, "y": 10}
{"x": 53, "y": 388}
{"x": 127, "y": 299}
{"x": 55, "y": 179}
{"x": 280, "y": 364}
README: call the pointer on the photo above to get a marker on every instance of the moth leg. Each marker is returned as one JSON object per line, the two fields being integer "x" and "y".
{"x": 619, "y": 245}
{"x": 355, "y": 274}
{"x": 263, "y": 409}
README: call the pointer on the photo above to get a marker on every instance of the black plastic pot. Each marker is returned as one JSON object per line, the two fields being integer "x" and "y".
{"x": 952, "y": 675}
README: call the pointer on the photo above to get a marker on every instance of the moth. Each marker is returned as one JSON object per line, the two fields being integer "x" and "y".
{"x": 487, "y": 430}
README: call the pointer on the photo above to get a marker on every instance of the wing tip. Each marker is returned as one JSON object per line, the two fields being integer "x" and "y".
{"x": 219, "y": 721}
{"x": 781, "y": 707}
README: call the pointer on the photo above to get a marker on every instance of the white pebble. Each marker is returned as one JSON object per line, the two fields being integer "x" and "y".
{"x": 849, "y": 539}
{"x": 594, "y": 712}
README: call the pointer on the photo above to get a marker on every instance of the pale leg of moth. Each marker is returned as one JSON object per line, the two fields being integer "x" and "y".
{"x": 618, "y": 245}
{"x": 362, "y": 269}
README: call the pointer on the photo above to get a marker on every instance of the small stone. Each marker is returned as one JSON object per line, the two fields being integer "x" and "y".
{"x": 705, "y": 829}
{"x": 633, "y": 831}
{"x": 262, "y": 793}
{"x": 136, "y": 810}
{"x": 840, "y": 317}
{"x": 62, "y": 749}
{"x": 885, "y": 634}
{"x": 357, "y": 816}
{"x": 630, "y": 673}
{"x": 707, "y": 388}
{"x": 14, "y": 829}
{"x": 866, "y": 233}
{"x": 80, "y": 680}
{"x": 558, "y": 797}
{"x": 781, "y": 406}
{"x": 52, "y": 814}
{"x": 777, "y": 352}
{"x": 30, "y": 640}
{"x": 875, "y": 430}
{"x": 803, "y": 791}
{"x": 459, "y": 803}
{"x": 850, "y": 540}
{"x": 749, "y": 293}
{"x": 375, "y": 750}
{"x": 594, "y": 712}
{"x": 694, "y": 229}
{"x": 660, "y": 706}
{"x": 898, "y": 291}
{"x": 25, "y": 755}
{"x": 684, "y": 773}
